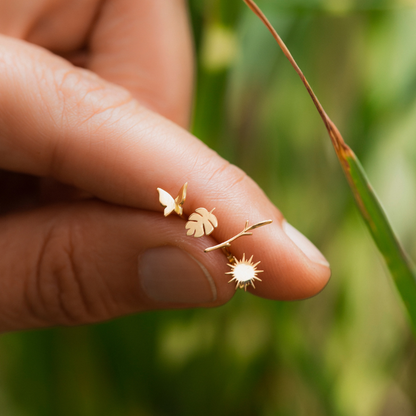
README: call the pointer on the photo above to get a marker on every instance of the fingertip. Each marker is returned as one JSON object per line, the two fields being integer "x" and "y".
{"x": 289, "y": 274}
{"x": 318, "y": 281}
{"x": 317, "y": 272}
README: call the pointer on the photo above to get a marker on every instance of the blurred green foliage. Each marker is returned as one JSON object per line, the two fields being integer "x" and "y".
{"x": 346, "y": 352}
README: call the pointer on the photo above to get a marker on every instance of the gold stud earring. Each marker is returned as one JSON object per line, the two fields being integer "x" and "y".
{"x": 244, "y": 272}
{"x": 171, "y": 204}
{"x": 201, "y": 222}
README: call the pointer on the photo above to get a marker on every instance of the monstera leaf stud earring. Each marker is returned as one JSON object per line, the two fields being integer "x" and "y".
{"x": 201, "y": 222}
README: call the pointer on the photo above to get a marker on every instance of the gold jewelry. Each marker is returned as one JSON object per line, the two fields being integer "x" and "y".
{"x": 203, "y": 222}
{"x": 171, "y": 204}
{"x": 244, "y": 272}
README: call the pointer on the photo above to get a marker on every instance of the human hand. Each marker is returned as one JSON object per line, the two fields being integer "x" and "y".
{"x": 94, "y": 244}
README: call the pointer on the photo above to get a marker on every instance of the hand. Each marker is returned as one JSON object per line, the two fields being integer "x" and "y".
{"x": 95, "y": 244}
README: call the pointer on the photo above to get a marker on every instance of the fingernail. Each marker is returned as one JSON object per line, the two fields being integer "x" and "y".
{"x": 304, "y": 244}
{"x": 169, "y": 274}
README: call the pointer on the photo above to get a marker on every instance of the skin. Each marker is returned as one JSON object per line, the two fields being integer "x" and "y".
{"x": 95, "y": 99}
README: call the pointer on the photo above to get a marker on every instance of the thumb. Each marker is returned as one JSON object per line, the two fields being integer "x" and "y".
{"x": 91, "y": 261}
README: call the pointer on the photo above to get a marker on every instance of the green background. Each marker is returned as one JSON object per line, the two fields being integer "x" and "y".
{"x": 347, "y": 351}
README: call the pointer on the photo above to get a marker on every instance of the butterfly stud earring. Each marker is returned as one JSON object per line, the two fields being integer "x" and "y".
{"x": 171, "y": 204}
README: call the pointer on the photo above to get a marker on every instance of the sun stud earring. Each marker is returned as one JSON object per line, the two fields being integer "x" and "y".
{"x": 203, "y": 222}
{"x": 244, "y": 272}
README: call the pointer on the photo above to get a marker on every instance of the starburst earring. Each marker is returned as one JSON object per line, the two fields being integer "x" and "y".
{"x": 244, "y": 272}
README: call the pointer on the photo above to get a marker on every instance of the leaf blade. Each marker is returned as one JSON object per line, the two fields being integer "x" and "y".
{"x": 399, "y": 264}
{"x": 401, "y": 267}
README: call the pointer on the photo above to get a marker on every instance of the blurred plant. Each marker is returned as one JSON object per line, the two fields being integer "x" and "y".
{"x": 346, "y": 352}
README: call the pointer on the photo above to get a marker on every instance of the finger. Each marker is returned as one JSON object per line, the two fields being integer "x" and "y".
{"x": 145, "y": 46}
{"x": 60, "y": 121}
{"x": 58, "y": 25}
{"x": 90, "y": 261}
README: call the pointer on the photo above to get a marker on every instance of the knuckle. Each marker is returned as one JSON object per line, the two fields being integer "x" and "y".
{"x": 83, "y": 95}
{"x": 227, "y": 176}
{"x": 57, "y": 293}
{"x": 82, "y": 101}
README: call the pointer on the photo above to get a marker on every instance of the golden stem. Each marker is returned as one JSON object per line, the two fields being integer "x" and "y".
{"x": 246, "y": 230}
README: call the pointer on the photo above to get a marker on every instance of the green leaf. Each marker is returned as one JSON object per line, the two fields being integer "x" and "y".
{"x": 399, "y": 264}
{"x": 401, "y": 268}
